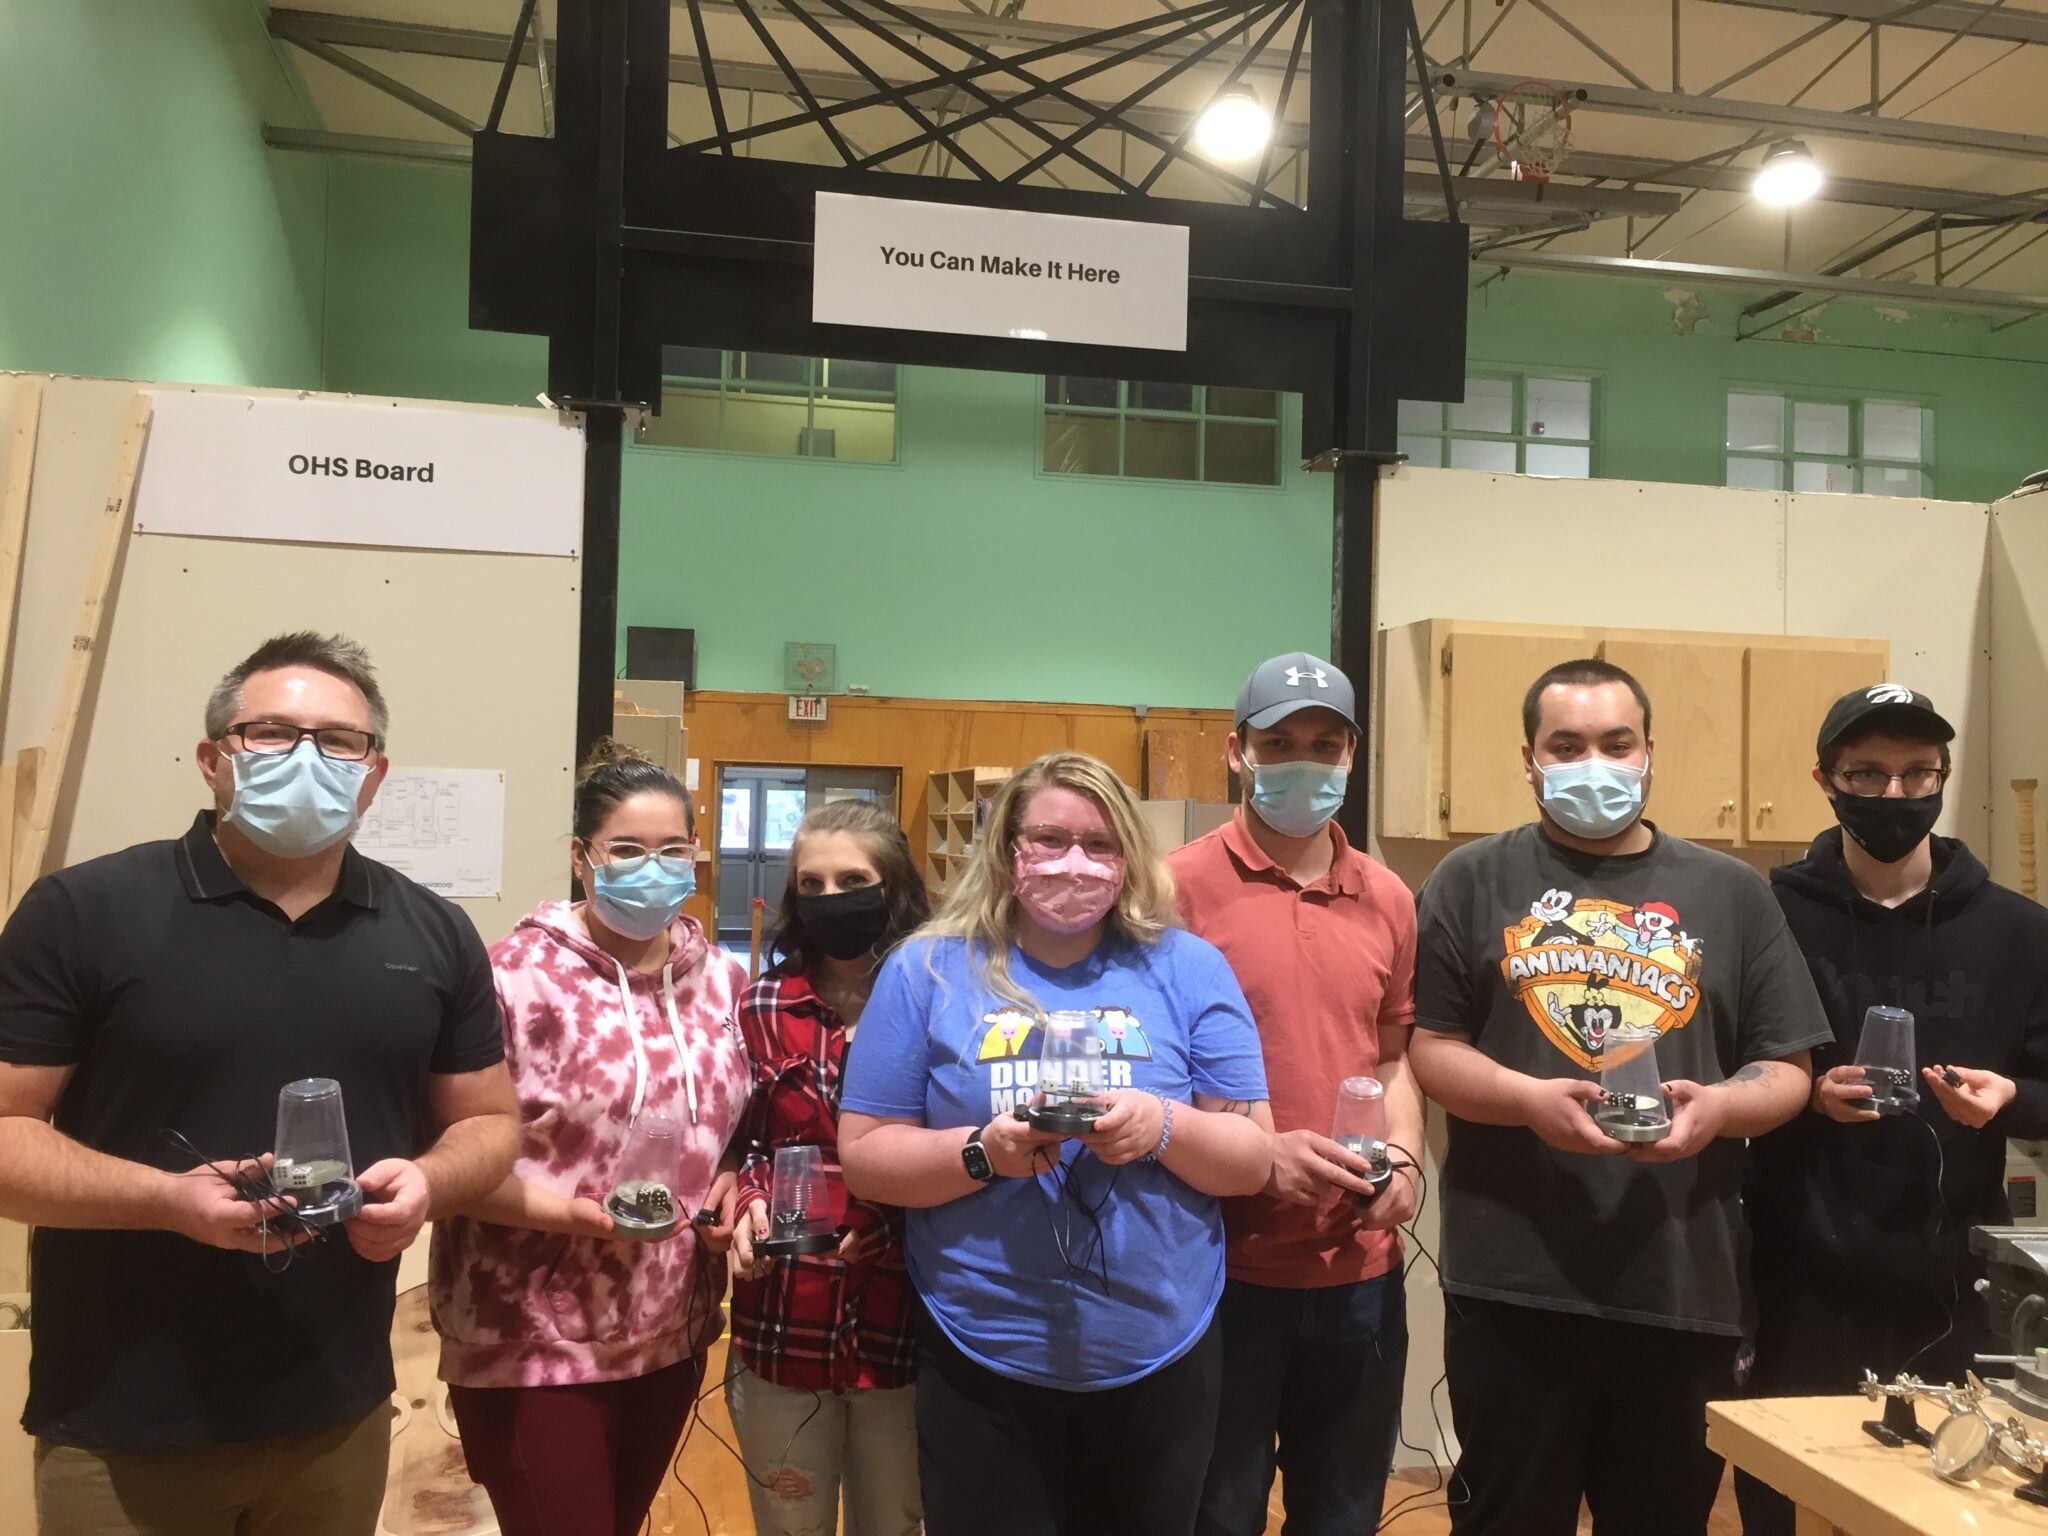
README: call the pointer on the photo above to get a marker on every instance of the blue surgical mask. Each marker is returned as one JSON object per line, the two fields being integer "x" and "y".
{"x": 1295, "y": 799}
{"x": 295, "y": 804}
{"x": 1593, "y": 798}
{"x": 642, "y": 902}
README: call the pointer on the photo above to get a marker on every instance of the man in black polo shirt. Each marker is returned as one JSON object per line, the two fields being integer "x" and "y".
{"x": 186, "y": 1379}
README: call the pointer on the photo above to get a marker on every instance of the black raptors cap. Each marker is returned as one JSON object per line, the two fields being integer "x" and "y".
{"x": 1888, "y": 704}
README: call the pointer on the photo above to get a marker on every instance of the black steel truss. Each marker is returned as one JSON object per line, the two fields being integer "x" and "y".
{"x": 613, "y": 243}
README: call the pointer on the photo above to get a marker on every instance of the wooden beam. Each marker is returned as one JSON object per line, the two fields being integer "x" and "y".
{"x": 21, "y": 463}
{"x": 31, "y": 850}
{"x": 17, "y": 809}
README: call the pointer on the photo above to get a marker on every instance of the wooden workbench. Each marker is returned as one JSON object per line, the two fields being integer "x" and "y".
{"x": 1814, "y": 1451}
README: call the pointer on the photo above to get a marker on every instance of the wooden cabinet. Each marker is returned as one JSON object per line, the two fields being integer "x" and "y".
{"x": 1485, "y": 678}
{"x": 1788, "y": 692}
{"x": 1734, "y": 718}
{"x": 1695, "y": 691}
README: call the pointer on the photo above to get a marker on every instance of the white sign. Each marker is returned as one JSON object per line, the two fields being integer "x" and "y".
{"x": 444, "y": 827}
{"x": 343, "y": 472}
{"x": 911, "y": 266}
{"x": 807, "y": 706}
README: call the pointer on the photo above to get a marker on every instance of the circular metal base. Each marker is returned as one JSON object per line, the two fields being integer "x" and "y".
{"x": 1892, "y": 1104}
{"x": 1378, "y": 1181}
{"x": 792, "y": 1247}
{"x": 642, "y": 1213}
{"x": 1634, "y": 1126}
{"x": 331, "y": 1206}
{"x": 1068, "y": 1119}
{"x": 633, "y": 1230}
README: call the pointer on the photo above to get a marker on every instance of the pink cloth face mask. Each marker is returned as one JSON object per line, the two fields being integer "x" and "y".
{"x": 1070, "y": 894}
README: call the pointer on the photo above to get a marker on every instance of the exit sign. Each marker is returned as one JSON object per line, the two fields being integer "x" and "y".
{"x": 807, "y": 706}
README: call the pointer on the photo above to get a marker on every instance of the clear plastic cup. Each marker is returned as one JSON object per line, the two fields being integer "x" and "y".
{"x": 1885, "y": 1052}
{"x": 1631, "y": 1105}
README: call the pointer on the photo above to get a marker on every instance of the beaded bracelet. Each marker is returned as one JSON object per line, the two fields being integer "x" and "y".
{"x": 1165, "y": 1129}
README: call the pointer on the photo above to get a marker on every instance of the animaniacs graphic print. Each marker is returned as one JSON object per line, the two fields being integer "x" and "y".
{"x": 1538, "y": 954}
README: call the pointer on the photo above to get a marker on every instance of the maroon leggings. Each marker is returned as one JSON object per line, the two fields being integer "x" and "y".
{"x": 576, "y": 1460}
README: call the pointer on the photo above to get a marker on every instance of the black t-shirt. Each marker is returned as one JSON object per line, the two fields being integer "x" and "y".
{"x": 184, "y": 1002}
{"x": 1536, "y": 952}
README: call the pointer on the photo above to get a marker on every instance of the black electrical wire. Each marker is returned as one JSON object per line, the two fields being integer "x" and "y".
{"x": 1424, "y": 1498}
{"x": 696, "y": 1417}
{"x": 1934, "y": 1236}
{"x": 272, "y": 1204}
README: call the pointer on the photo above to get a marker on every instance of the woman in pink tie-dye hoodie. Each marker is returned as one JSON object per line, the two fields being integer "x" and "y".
{"x": 573, "y": 1353}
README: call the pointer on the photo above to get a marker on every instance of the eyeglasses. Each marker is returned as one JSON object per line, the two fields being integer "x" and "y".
{"x": 1866, "y": 783}
{"x": 1051, "y": 842}
{"x": 268, "y": 736}
{"x": 630, "y": 858}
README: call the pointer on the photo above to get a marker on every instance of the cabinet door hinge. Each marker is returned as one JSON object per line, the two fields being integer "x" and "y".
{"x": 1443, "y": 806}
{"x": 1447, "y": 661}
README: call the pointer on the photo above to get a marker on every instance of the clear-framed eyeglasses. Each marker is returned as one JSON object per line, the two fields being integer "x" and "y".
{"x": 1046, "y": 841}
{"x": 627, "y": 857}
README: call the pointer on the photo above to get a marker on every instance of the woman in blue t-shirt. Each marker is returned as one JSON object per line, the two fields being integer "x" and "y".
{"x": 1069, "y": 1371}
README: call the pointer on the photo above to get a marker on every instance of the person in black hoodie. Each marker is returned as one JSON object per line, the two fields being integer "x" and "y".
{"x": 1858, "y": 1261}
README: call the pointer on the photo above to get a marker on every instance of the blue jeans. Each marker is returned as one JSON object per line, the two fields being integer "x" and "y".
{"x": 1312, "y": 1387}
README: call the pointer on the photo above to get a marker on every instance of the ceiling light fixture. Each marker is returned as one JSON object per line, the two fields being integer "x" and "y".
{"x": 1235, "y": 126}
{"x": 1789, "y": 175}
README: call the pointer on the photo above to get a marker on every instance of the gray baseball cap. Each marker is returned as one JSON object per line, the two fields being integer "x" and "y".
{"x": 1279, "y": 687}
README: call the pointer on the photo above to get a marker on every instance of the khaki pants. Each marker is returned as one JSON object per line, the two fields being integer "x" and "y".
{"x": 330, "y": 1483}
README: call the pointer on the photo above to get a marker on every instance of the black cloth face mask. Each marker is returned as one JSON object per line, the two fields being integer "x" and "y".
{"x": 1887, "y": 827}
{"x": 845, "y": 924}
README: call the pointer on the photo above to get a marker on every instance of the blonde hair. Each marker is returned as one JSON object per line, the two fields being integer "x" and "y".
{"x": 982, "y": 906}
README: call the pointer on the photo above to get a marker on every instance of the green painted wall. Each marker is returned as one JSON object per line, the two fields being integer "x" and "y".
{"x": 1662, "y": 402}
{"x": 145, "y": 230}
{"x": 962, "y": 571}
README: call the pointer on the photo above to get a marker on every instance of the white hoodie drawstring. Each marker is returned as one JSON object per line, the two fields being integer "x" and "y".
{"x": 675, "y": 1029}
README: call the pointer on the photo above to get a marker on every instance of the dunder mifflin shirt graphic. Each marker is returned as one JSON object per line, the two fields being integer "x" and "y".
{"x": 1539, "y": 954}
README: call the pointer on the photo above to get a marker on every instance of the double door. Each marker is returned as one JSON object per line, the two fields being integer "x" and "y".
{"x": 759, "y": 811}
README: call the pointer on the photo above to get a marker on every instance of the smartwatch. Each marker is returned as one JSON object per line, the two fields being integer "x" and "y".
{"x": 975, "y": 1158}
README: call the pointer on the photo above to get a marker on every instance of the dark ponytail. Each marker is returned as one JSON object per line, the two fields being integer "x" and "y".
{"x": 613, "y": 774}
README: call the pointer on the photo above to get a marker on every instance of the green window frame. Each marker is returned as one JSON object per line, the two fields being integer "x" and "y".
{"x": 830, "y": 409}
{"x": 1827, "y": 441}
{"x": 1179, "y": 434}
{"x": 1530, "y": 422}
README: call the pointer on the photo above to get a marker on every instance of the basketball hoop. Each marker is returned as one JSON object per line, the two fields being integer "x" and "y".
{"x": 1532, "y": 129}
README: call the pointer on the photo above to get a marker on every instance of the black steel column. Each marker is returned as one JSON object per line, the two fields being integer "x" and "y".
{"x": 597, "y": 656}
{"x": 598, "y": 631}
{"x": 1365, "y": 96}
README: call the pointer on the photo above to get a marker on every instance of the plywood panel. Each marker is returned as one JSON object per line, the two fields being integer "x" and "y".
{"x": 1186, "y": 765}
{"x": 1915, "y": 573}
{"x": 2019, "y": 667}
{"x": 476, "y": 654}
{"x": 1696, "y": 718}
{"x": 1614, "y": 553}
{"x": 1788, "y": 692}
{"x": 1408, "y": 752}
{"x": 1483, "y": 703}
{"x": 13, "y": 1261}
{"x": 17, "y": 1450}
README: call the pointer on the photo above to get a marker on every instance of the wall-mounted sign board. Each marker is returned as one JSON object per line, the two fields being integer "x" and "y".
{"x": 313, "y": 471}
{"x": 914, "y": 266}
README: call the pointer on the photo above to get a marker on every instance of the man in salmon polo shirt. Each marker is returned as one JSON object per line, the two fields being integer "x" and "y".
{"x": 1315, "y": 1324}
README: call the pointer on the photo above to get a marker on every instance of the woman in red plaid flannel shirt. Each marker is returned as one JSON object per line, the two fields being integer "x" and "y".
{"x": 821, "y": 1396}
